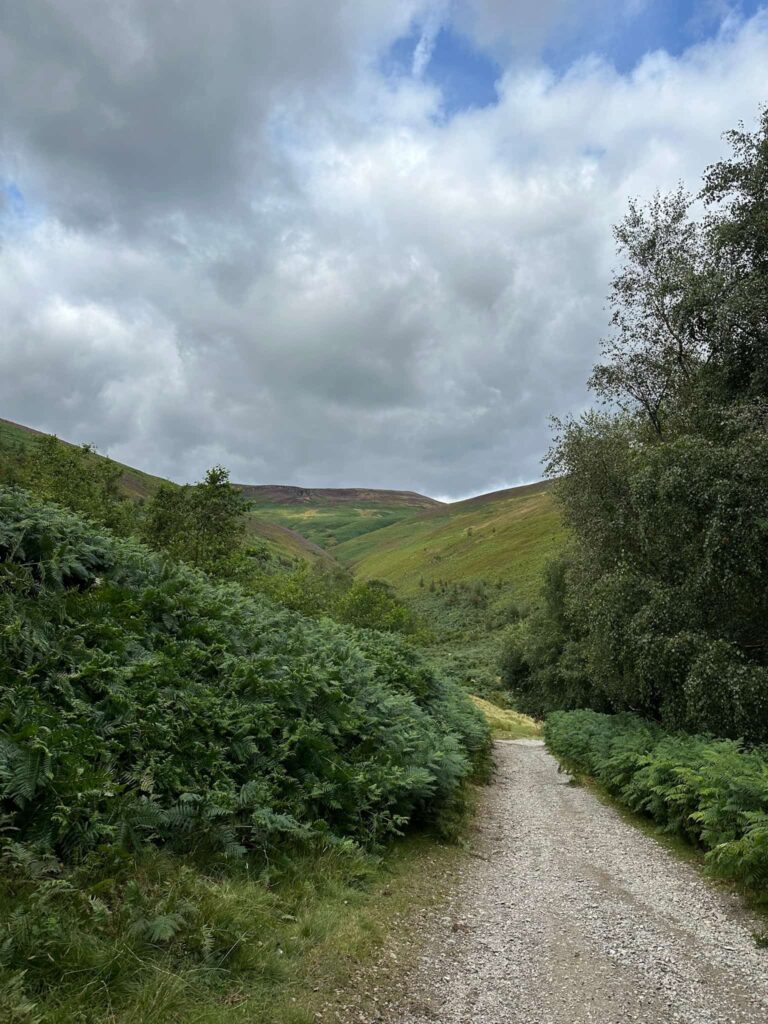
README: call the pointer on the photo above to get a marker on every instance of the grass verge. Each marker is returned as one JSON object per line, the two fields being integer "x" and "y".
{"x": 175, "y": 945}
{"x": 506, "y": 724}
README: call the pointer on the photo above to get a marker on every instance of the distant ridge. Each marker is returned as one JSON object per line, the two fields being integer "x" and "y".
{"x": 283, "y": 494}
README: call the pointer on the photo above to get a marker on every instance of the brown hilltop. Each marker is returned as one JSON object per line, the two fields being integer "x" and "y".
{"x": 281, "y": 494}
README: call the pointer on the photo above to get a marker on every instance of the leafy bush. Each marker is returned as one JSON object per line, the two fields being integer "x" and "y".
{"x": 372, "y": 604}
{"x": 714, "y": 792}
{"x": 142, "y": 702}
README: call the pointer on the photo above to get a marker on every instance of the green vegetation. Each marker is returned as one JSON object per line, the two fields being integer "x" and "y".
{"x": 172, "y": 745}
{"x": 207, "y": 525}
{"x": 118, "y": 496}
{"x": 712, "y": 792}
{"x": 500, "y": 537}
{"x": 506, "y": 724}
{"x": 661, "y": 605}
{"x": 201, "y": 525}
{"x": 467, "y": 570}
{"x": 462, "y": 629}
{"x": 332, "y": 524}
{"x": 17, "y": 440}
{"x": 272, "y": 946}
{"x": 287, "y": 543}
{"x": 330, "y": 516}
{"x": 209, "y": 739}
{"x": 194, "y": 707}
{"x": 458, "y": 574}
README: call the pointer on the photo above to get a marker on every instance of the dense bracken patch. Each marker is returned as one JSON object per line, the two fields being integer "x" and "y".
{"x": 713, "y": 792}
{"x": 191, "y": 775}
{"x": 142, "y": 701}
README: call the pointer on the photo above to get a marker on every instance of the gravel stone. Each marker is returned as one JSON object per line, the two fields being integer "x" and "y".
{"x": 567, "y": 914}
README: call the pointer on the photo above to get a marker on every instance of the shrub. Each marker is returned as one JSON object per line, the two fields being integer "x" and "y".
{"x": 714, "y": 792}
{"x": 142, "y": 702}
{"x": 372, "y": 604}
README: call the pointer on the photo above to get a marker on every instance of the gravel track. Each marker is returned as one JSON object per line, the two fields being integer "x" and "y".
{"x": 565, "y": 914}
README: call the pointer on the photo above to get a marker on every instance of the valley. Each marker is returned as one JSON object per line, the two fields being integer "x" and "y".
{"x": 297, "y": 727}
{"x": 330, "y": 517}
{"x": 467, "y": 569}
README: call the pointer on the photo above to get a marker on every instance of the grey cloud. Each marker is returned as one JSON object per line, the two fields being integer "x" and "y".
{"x": 146, "y": 109}
{"x": 522, "y": 28}
{"x": 253, "y": 248}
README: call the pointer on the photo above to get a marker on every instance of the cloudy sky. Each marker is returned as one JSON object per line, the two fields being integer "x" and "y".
{"x": 337, "y": 242}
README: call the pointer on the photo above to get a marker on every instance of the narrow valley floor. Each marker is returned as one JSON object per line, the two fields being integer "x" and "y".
{"x": 565, "y": 913}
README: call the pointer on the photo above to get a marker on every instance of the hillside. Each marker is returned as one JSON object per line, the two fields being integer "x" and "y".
{"x": 502, "y": 537}
{"x": 465, "y": 569}
{"x": 135, "y": 482}
{"x": 331, "y": 516}
{"x": 139, "y": 485}
{"x": 468, "y": 570}
{"x": 400, "y": 536}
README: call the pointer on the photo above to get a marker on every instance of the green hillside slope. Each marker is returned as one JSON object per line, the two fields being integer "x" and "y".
{"x": 135, "y": 482}
{"x": 332, "y": 516}
{"x": 139, "y": 485}
{"x": 502, "y": 537}
{"x": 468, "y": 570}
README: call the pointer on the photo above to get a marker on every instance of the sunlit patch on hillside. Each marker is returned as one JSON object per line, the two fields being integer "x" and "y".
{"x": 507, "y": 724}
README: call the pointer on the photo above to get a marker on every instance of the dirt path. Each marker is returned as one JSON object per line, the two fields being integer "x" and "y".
{"x": 567, "y": 914}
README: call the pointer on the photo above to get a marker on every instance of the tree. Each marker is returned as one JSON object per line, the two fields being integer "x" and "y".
{"x": 664, "y": 605}
{"x": 657, "y": 341}
{"x": 202, "y": 524}
{"x": 736, "y": 191}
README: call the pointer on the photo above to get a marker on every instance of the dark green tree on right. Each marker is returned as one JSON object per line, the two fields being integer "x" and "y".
{"x": 661, "y": 603}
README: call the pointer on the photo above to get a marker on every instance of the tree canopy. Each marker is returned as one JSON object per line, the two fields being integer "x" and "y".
{"x": 661, "y": 605}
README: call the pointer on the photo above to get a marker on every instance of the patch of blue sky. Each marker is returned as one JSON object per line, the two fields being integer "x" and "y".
{"x": 465, "y": 76}
{"x": 12, "y": 199}
{"x": 17, "y": 213}
{"x": 622, "y": 33}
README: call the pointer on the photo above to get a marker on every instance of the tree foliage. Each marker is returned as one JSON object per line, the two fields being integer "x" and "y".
{"x": 662, "y": 606}
{"x": 200, "y": 524}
